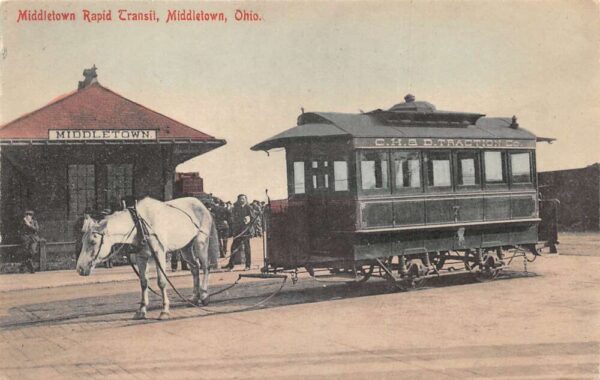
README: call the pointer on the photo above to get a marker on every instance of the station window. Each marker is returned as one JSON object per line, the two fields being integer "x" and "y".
{"x": 82, "y": 189}
{"x": 407, "y": 170}
{"x": 495, "y": 170}
{"x": 438, "y": 169}
{"x": 299, "y": 178}
{"x": 340, "y": 175}
{"x": 520, "y": 167}
{"x": 374, "y": 171}
{"x": 120, "y": 184}
{"x": 467, "y": 169}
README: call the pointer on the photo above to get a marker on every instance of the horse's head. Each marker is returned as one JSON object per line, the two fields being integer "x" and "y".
{"x": 98, "y": 240}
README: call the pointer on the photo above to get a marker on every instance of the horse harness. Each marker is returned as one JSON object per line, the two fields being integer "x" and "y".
{"x": 141, "y": 228}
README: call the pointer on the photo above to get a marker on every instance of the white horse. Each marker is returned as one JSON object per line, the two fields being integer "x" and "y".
{"x": 180, "y": 224}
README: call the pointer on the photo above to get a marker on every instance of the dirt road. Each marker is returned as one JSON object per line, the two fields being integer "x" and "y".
{"x": 544, "y": 325}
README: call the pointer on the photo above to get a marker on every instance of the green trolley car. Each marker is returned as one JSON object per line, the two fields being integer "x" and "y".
{"x": 405, "y": 191}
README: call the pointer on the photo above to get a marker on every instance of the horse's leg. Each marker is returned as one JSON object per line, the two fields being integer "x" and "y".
{"x": 162, "y": 283}
{"x": 201, "y": 252}
{"x": 142, "y": 263}
{"x": 191, "y": 258}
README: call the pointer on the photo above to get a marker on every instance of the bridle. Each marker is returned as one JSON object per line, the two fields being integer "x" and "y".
{"x": 95, "y": 257}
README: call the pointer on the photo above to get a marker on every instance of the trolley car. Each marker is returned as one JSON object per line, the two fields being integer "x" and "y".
{"x": 404, "y": 191}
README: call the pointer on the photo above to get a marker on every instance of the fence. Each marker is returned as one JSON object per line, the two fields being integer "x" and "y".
{"x": 50, "y": 255}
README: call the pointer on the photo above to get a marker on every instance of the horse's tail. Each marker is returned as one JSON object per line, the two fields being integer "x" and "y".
{"x": 213, "y": 246}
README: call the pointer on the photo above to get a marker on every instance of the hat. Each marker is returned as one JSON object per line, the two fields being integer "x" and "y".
{"x": 29, "y": 212}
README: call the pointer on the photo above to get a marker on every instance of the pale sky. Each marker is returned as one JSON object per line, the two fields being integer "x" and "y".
{"x": 245, "y": 82}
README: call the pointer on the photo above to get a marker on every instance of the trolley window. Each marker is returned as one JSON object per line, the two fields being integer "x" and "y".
{"x": 467, "y": 169}
{"x": 299, "y": 178}
{"x": 340, "y": 175}
{"x": 320, "y": 174}
{"x": 495, "y": 169}
{"x": 520, "y": 167}
{"x": 407, "y": 171}
{"x": 438, "y": 170}
{"x": 374, "y": 170}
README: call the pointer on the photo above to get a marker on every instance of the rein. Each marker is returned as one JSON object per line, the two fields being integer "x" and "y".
{"x": 112, "y": 253}
{"x": 143, "y": 230}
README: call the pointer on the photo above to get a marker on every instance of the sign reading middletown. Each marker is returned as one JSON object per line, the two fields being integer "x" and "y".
{"x": 396, "y": 142}
{"x": 101, "y": 134}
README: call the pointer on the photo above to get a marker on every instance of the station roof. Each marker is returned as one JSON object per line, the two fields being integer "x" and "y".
{"x": 405, "y": 120}
{"x": 95, "y": 107}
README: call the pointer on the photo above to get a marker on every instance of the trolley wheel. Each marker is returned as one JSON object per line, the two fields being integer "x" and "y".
{"x": 437, "y": 259}
{"x": 366, "y": 274}
{"x": 487, "y": 270}
{"x": 415, "y": 269}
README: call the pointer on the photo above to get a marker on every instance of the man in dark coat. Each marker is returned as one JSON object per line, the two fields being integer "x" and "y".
{"x": 30, "y": 240}
{"x": 222, "y": 218}
{"x": 242, "y": 218}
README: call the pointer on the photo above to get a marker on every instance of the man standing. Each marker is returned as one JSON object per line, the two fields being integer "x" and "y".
{"x": 30, "y": 239}
{"x": 242, "y": 217}
{"x": 222, "y": 218}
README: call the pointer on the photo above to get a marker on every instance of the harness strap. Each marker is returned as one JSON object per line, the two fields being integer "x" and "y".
{"x": 143, "y": 226}
{"x": 186, "y": 214}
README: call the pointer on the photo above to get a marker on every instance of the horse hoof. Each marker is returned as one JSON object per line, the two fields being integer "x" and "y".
{"x": 164, "y": 315}
{"x": 205, "y": 301}
{"x": 139, "y": 315}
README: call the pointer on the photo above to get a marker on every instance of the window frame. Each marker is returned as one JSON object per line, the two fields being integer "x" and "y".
{"x": 406, "y": 190}
{"x": 291, "y": 178}
{"x": 478, "y": 170}
{"x": 348, "y": 174}
{"x": 321, "y": 170}
{"x": 528, "y": 184}
{"x": 495, "y": 185}
{"x": 385, "y": 156}
{"x": 437, "y": 189}
{"x": 113, "y": 191}
{"x": 71, "y": 192}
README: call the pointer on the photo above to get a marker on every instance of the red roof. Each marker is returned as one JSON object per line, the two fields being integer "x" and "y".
{"x": 96, "y": 107}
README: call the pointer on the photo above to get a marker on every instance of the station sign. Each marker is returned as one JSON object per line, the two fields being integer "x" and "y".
{"x": 429, "y": 143}
{"x": 102, "y": 134}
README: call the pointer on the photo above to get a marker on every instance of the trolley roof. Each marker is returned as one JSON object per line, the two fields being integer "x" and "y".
{"x": 405, "y": 120}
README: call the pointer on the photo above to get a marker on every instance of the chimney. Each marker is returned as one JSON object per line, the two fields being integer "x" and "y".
{"x": 90, "y": 77}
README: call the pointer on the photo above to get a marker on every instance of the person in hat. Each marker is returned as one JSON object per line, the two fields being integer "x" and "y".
{"x": 222, "y": 217}
{"x": 242, "y": 216}
{"x": 30, "y": 240}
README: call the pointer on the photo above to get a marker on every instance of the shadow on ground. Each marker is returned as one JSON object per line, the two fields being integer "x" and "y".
{"x": 119, "y": 308}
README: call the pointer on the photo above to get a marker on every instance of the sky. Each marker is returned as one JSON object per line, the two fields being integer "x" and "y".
{"x": 247, "y": 81}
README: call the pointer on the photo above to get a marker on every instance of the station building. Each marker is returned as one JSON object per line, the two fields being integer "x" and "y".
{"x": 89, "y": 149}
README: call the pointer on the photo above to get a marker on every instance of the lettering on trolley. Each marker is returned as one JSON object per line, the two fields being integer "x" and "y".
{"x": 395, "y": 142}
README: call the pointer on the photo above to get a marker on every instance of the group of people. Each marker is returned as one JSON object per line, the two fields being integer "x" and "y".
{"x": 239, "y": 221}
